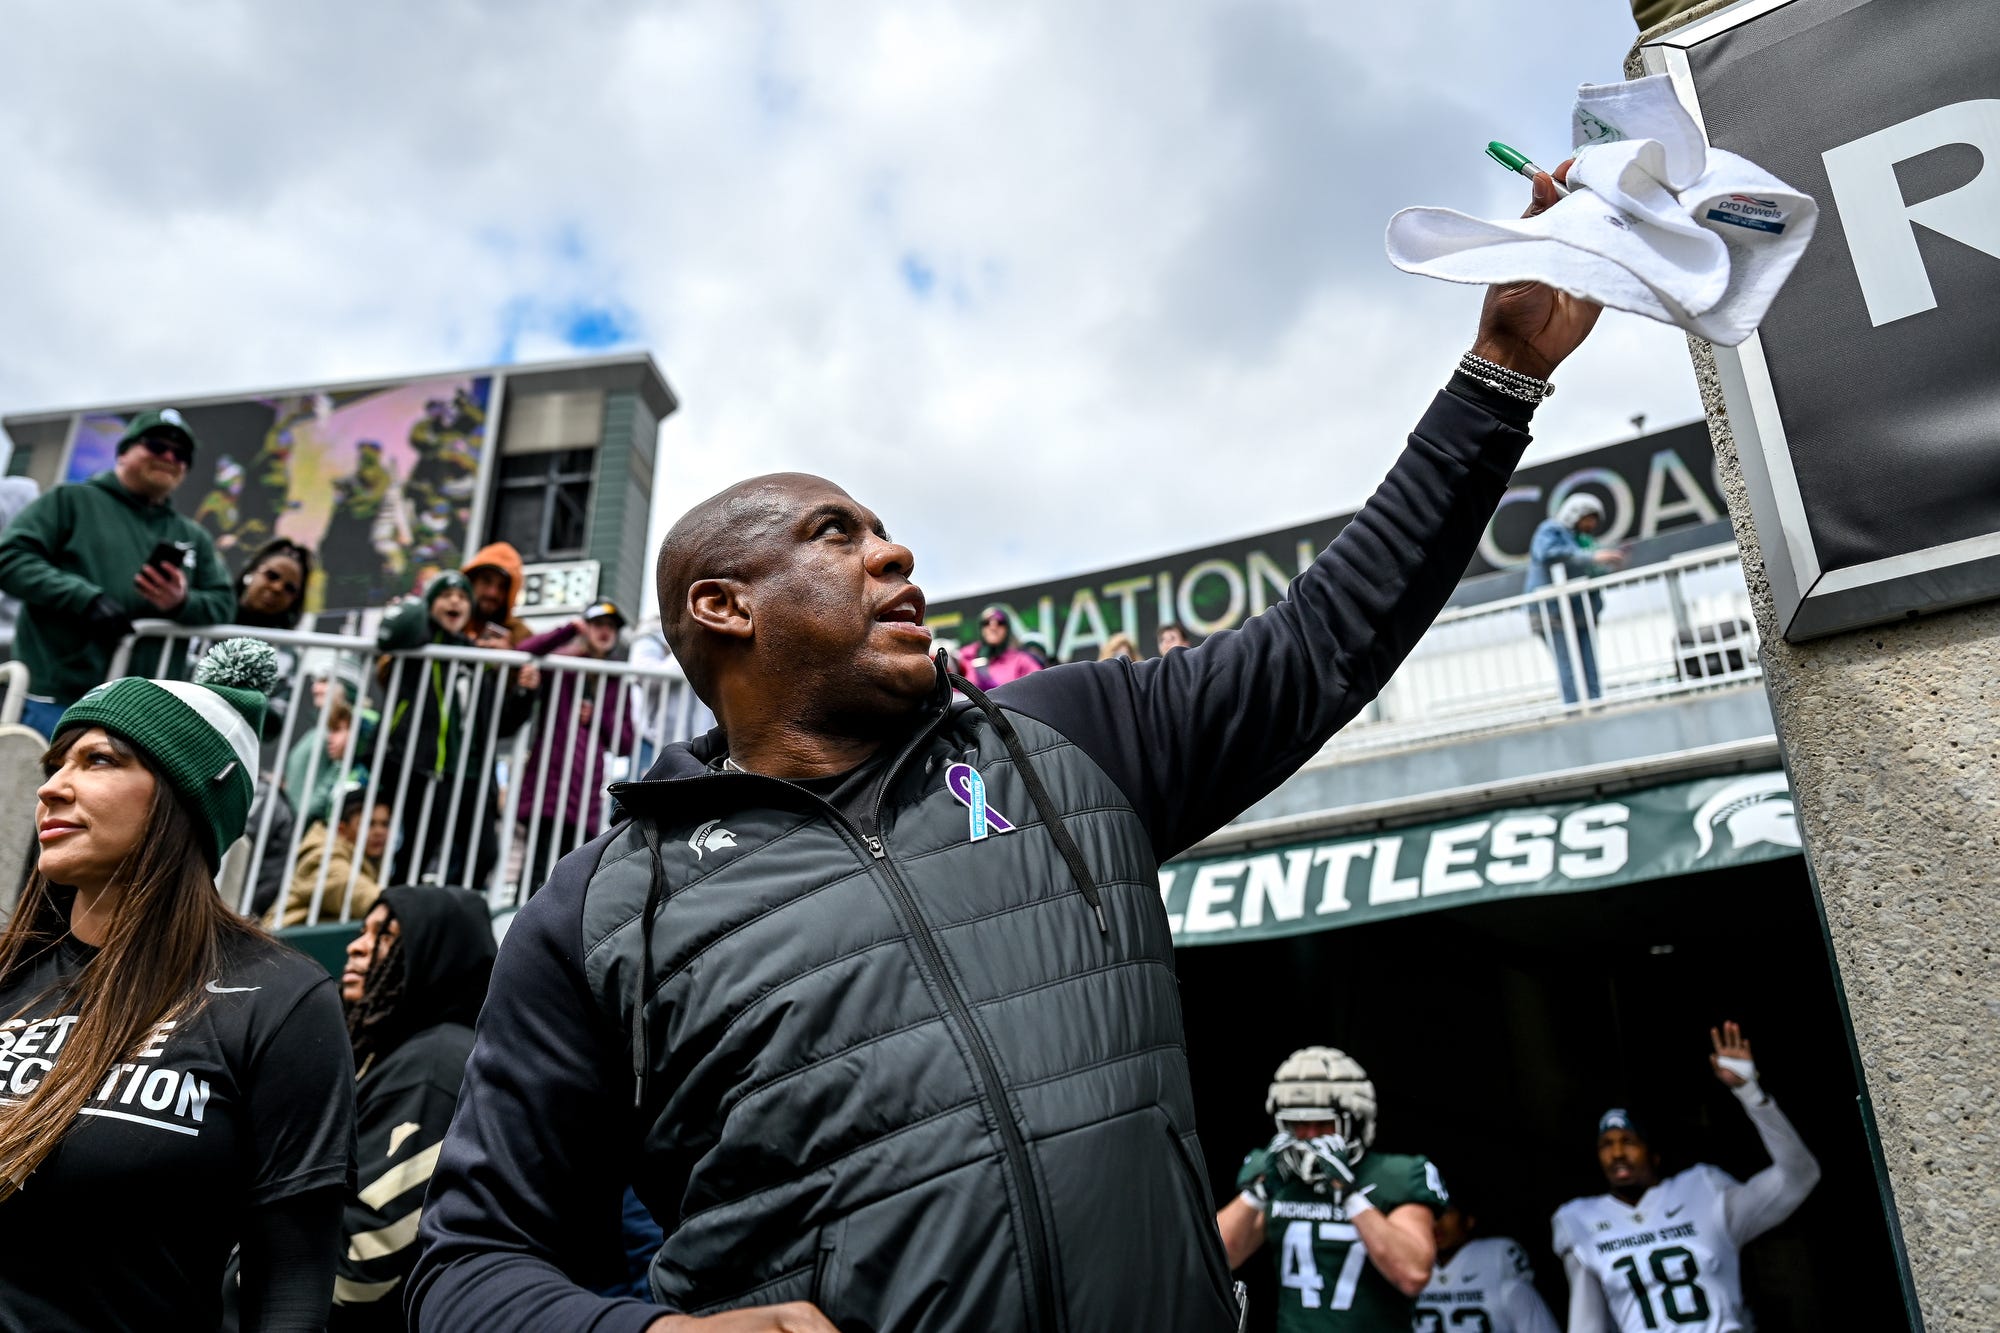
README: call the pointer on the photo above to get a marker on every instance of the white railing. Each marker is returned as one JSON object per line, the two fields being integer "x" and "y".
{"x": 1677, "y": 627}
{"x": 511, "y": 778}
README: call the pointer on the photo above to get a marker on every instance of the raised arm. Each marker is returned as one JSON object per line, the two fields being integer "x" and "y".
{"x": 1770, "y": 1196}
{"x": 1195, "y": 737}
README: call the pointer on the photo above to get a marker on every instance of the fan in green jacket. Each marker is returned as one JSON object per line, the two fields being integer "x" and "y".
{"x": 77, "y": 560}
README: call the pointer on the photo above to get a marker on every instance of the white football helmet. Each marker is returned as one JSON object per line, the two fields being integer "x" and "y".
{"x": 1322, "y": 1083}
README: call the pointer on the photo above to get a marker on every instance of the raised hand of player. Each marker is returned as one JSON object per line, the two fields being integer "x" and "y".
{"x": 1731, "y": 1045}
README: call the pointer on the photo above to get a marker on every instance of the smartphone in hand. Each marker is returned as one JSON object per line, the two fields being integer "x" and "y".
{"x": 173, "y": 555}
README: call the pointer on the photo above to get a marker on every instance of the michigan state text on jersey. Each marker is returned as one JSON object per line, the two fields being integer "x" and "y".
{"x": 1658, "y": 1254}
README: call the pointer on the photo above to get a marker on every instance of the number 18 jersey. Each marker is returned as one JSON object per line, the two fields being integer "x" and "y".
{"x": 1666, "y": 1263}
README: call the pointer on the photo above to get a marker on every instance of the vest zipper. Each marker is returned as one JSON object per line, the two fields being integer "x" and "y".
{"x": 993, "y": 1089}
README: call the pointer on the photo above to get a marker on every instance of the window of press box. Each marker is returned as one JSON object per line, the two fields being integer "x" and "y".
{"x": 543, "y": 504}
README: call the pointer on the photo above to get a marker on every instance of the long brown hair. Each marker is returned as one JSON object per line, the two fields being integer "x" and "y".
{"x": 167, "y": 928}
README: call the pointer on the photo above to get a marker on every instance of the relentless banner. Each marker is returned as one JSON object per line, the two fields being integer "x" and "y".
{"x": 1651, "y": 484}
{"x": 1517, "y": 853}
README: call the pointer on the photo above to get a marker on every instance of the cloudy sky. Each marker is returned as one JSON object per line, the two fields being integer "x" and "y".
{"x": 1051, "y": 285}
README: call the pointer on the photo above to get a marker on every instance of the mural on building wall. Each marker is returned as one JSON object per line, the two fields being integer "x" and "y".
{"x": 378, "y": 482}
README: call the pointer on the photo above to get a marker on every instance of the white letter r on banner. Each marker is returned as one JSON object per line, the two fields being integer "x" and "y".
{"x": 1880, "y": 236}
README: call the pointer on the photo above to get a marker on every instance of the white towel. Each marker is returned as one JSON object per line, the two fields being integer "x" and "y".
{"x": 1657, "y": 222}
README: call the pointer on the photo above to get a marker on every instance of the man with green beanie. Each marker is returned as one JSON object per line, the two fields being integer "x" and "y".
{"x": 78, "y": 560}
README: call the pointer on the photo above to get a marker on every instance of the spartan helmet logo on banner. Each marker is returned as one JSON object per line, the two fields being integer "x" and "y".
{"x": 1754, "y": 810}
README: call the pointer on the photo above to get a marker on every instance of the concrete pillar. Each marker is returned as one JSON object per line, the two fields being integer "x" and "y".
{"x": 1891, "y": 739}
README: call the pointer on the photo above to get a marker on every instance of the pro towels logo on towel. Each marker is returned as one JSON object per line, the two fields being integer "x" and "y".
{"x": 1657, "y": 222}
{"x": 1742, "y": 210}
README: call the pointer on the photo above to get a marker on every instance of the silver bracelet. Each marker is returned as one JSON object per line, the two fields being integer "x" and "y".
{"x": 1510, "y": 382}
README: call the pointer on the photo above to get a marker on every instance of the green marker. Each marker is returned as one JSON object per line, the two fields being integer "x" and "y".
{"x": 1518, "y": 163}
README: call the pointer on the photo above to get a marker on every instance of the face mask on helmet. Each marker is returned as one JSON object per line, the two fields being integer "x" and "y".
{"x": 1321, "y": 1162}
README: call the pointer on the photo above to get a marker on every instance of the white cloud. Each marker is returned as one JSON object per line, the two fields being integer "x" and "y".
{"x": 1150, "y": 305}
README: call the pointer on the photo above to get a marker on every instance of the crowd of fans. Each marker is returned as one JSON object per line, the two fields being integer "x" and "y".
{"x": 364, "y": 781}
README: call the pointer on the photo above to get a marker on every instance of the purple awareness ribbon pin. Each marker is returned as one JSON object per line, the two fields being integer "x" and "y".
{"x": 964, "y": 783}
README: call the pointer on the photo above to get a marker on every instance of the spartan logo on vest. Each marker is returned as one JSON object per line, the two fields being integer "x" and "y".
{"x": 710, "y": 835}
{"x": 1881, "y": 228}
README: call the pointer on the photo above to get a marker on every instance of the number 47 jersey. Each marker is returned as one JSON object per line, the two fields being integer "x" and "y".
{"x": 1665, "y": 1263}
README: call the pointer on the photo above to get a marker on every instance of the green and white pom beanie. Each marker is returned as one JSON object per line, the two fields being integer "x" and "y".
{"x": 202, "y": 736}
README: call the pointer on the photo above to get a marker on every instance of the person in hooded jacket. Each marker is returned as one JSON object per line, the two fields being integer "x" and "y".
{"x": 585, "y": 725}
{"x": 495, "y": 574}
{"x": 78, "y": 561}
{"x": 996, "y": 656}
{"x": 413, "y": 982}
{"x": 1567, "y": 542}
{"x": 426, "y": 703}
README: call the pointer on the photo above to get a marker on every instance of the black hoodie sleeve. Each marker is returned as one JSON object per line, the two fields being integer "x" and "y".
{"x": 1197, "y": 736}
{"x": 524, "y": 1205}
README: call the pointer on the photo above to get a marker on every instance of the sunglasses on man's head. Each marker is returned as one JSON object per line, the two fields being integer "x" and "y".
{"x": 166, "y": 446}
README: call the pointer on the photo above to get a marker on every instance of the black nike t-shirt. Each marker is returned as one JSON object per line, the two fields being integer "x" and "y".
{"x": 246, "y": 1101}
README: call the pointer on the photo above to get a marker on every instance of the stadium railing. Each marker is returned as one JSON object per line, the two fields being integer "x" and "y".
{"x": 444, "y": 810}
{"x": 1660, "y": 631}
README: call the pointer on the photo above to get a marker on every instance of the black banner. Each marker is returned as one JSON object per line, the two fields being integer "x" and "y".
{"x": 1649, "y": 484}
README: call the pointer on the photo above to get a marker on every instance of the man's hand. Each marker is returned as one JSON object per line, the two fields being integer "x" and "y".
{"x": 528, "y": 677}
{"x": 164, "y": 586}
{"x": 1528, "y": 326}
{"x": 795, "y": 1317}
{"x": 106, "y": 621}
{"x": 1731, "y": 1057}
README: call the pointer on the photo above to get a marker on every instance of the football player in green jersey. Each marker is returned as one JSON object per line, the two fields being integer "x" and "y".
{"x": 1353, "y": 1227}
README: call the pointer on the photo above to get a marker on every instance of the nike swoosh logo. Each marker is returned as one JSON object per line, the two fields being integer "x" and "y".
{"x": 230, "y": 990}
{"x": 1671, "y": 1212}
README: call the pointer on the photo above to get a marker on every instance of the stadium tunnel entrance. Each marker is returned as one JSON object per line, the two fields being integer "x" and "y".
{"x": 1496, "y": 1033}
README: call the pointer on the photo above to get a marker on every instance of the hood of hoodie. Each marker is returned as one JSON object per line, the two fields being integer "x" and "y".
{"x": 446, "y": 938}
{"x": 108, "y": 481}
{"x": 503, "y": 557}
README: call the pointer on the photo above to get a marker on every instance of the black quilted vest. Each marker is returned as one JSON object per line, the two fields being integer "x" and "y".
{"x": 916, "y": 1078}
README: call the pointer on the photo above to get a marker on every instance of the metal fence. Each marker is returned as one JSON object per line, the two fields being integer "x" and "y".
{"x": 471, "y": 767}
{"x": 482, "y": 768}
{"x": 1677, "y": 627}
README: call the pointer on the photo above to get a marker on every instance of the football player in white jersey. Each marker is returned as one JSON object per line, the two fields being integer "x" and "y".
{"x": 1663, "y": 1254}
{"x": 1481, "y": 1284}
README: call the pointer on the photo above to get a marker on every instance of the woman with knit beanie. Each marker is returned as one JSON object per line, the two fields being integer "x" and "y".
{"x": 173, "y": 1082}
